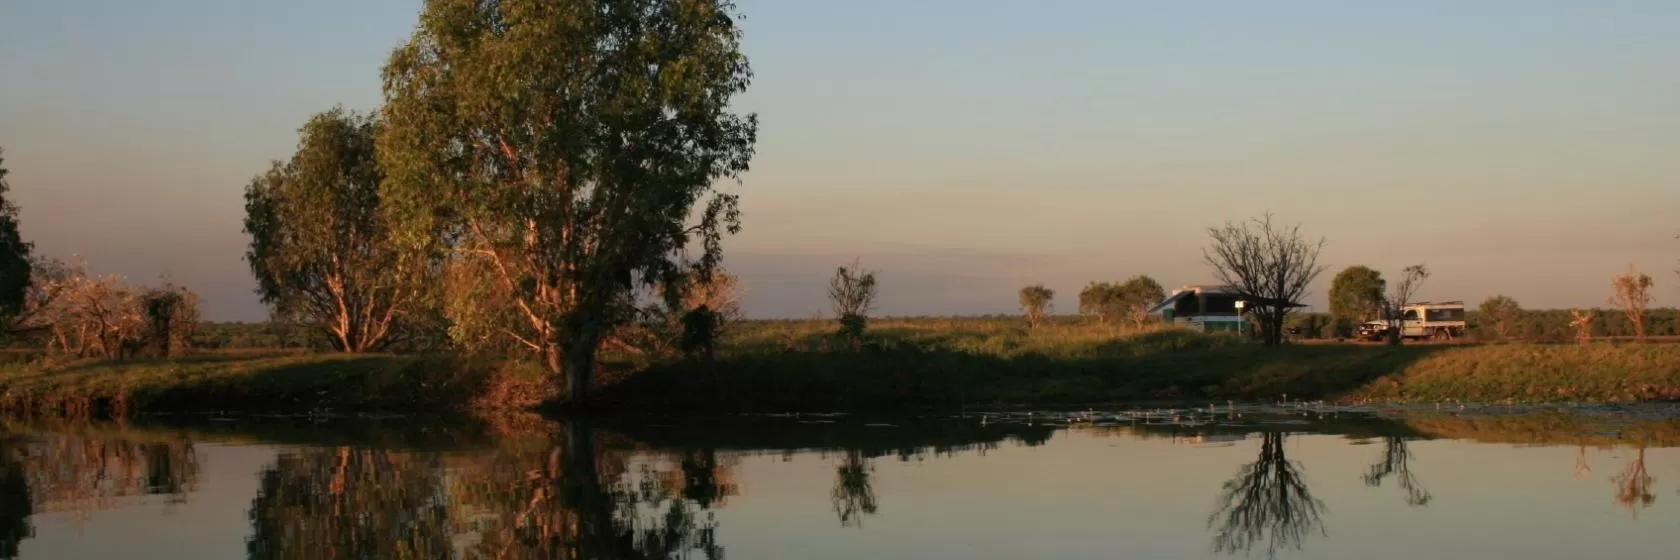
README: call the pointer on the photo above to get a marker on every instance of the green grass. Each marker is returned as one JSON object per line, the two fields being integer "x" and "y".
{"x": 1600, "y": 372}
{"x": 950, "y": 363}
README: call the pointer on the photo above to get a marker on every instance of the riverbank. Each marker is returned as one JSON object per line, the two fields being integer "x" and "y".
{"x": 270, "y": 383}
{"x": 903, "y": 365}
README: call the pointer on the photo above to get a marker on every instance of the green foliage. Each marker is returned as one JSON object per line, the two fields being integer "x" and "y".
{"x": 1036, "y": 301}
{"x": 1502, "y": 313}
{"x": 852, "y": 293}
{"x": 1100, "y": 299}
{"x": 320, "y": 247}
{"x": 1553, "y": 325}
{"x": 1130, "y": 300}
{"x": 171, "y": 314}
{"x": 567, "y": 144}
{"x": 214, "y": 336}
{"x": 1356, "y": 296}
{"x": 852, "y": 326}
{"x": 14, "y": 256}
{"x": 700, "y": 327}
{"x": 1311, "y": 325}
{"x": 1137, "y": 295}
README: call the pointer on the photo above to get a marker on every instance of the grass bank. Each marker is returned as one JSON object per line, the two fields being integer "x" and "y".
{"x": 269, "y": 383}
{"x": 947, "y": 363}
{"x": 775, "y": 366}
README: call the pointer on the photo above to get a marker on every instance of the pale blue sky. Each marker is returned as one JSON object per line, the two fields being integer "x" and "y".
{"x": 963, "y": 148}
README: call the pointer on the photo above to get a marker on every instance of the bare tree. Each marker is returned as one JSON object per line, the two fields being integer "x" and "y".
{"x": 1582, "y": 322}
{"x": 1398, "y": 296}
{"x": 1036, "y": 302}
{"x": 1268, "y": 265}
{"x": 1632, "y": 296}
{"x": 96, "y": 315}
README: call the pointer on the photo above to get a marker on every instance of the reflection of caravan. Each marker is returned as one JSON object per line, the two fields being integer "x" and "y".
{"x": 1206, "y": 308}
{"x": 1438, "y": 320}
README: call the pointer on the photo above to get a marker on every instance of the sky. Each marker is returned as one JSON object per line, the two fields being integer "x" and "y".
{"x": 961, "y": 148}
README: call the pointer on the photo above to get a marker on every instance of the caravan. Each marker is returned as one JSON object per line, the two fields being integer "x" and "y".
{"x": 1432, "y": 320}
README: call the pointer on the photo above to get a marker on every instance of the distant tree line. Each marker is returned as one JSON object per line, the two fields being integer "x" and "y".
{"x": 1543, "y": 325}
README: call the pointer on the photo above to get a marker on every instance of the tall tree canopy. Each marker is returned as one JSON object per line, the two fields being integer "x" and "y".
{"x": 1356, "y": 296}
{"x": 566, "y": 151}
{"x": 320, "y": 248}
{"x": 14, "y": 255}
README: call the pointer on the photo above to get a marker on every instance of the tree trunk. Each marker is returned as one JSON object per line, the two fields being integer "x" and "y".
{"x": 1274, "y": 330}
{"x": 345, "y": 344}
{"x": 164, "y": 339}
{"x": 579, "y": 366}
{"x": 551, "y": 357}
{"x": 593, "y": 534}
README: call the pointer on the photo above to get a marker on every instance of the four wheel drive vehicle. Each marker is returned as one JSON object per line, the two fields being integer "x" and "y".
{"x": 1442, "y": 320}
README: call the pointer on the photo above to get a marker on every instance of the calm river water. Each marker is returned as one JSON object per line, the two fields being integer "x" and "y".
{"x": 1220, "y": 482}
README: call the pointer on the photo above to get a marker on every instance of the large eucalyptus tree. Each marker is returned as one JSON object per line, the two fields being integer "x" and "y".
{"x": 565, "y": 151}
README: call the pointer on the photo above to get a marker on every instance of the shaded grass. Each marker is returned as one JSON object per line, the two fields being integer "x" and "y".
{"x": 265, "y": 383}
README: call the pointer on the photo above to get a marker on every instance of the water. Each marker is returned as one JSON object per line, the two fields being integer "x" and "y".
{"x": 1286, "y": 482}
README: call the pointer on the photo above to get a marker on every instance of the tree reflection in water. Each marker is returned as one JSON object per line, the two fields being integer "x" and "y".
{"x": 350, "y": 503}
{"x": 15, "y": 506}
{"x": 558, "y": 496}
{"x": 1396, "y": 461}
{"x": 1633, "y": 485}
{"x": 78, "y": 475}
{"x": 853, "y": 495}
{"x": 1267, "y": 504}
